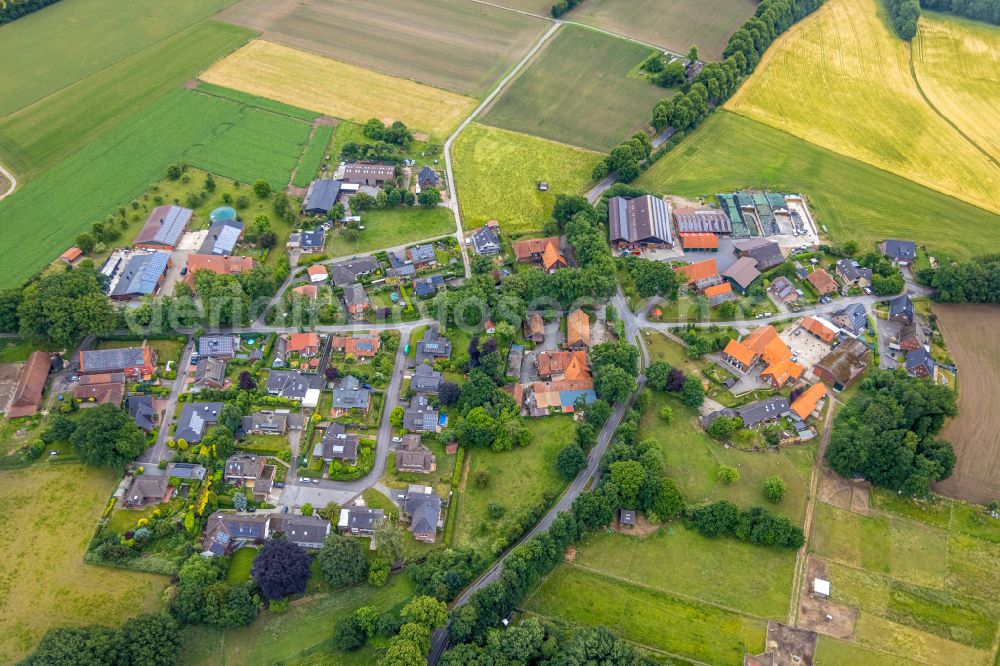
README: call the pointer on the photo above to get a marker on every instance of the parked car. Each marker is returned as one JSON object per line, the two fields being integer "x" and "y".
{"x": 397, "y": 440}
{"x": 316, "y": 481}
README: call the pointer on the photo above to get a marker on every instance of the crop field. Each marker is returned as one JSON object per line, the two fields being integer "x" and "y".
{"x": 675, "y": 26}
{"x": 308, "y": 166}
{"x": 490, "y": 187}
{"x": 388, "y": 228}
{"x": 661, "y": 621}
{"x": 239, "y": 141}
{"x": 313, "y": 82}
{"x": 457, "y": 45}
{"x": 576, "y": 91}
{"x": 841, "y": 80}
{"x": 957, "y": 64}
{"x": 969, "y": 332}
{"x": 541, "y": 7}
{"x": 853, "y": 200}
{"x": 730, "y": 573}
{"x": 48, "y": 51}
{"x": 43, "y": 134}
{"x": 50, "y": 512}
{"x": 833, "y": 652}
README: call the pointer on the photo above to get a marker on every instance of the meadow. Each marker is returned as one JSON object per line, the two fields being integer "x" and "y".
{"x": 389, "y": 228}
{"x": 308, "y": 166}
{"x": 517, "y": 479}
{"x": 851, "y": 200}
{"x": 660, "y": 621}
{"x": 235, "y": 140}
{"x": 577, "y": 91}
{"x": 313, "y": 82}
{"x": 47, "y": 132}
{"x": 452, "y": 44}
{"x": 965, "y": 94}
{"x": 497, "y": 174}
{"x": 675, "y": 26}
{"x": 841, "y": 80}
{"x": 51, "y": 511}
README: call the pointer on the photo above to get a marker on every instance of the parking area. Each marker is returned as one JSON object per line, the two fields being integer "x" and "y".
{"x": 807, "y": 350}
{"x": 887, "y": 330}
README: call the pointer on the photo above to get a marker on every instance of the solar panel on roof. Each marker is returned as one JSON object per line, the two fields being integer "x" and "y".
{"x": 172, "y": 225}
{"x": 226, "y": 242}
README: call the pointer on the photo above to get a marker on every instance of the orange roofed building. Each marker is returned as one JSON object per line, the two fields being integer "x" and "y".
{"x": 700, "y": 242}
{"x": 359, "y": 345}
{"x": 309, "y": 291}
{"x": 578, "y": 330}
{"x": 541, "y": 250}
{"x": 571, "y": 365}
{"x": 217, "y": 264}
{"x": 820, "y": 329}
{"x": 27, "y": 398}
{"x": 763, "y": 346}
{"x": 698, "y": 270}
{"x": 780, "y": 373}
{"x": 303, "y": 344}
{"x": 71, "y": 255}
{"x": 822, "y": 281}
{"x": 806, "y": 403}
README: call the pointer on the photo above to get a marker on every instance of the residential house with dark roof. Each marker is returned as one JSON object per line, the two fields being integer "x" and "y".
{"x": 763, "y": 411}
{"x": 210, "y": 373}
{"x": 266, "y": 423}
{"x": 148, "y": 490}
{"x": 822, "y": 281}
{"x": 27, "y": 398}
{"x": 140, "y": 408}
{"x": 485, "y": 242}
{"x": 765, "y": 252}
{"x": 919, "y": 363}
{"x": 225, "y": 532}
{"x": 853, "y": 318}
{"x": 222, "y": 238}
{"x": 702, "y": 221}
{"x": 426, "y": 379}
{"x": 901, "y": 309}
{"x": 420, "y": 416}
{"x": 303, "y": 531}
{"x": 195, "y": 420}
{"x": 742, "y": 274}
{"x": 219, "y": 346}
{"x": 250, "y": 472}
{"x": 911, "y": 337}
{"x": 534, "y": 328}
{"x": 136, "y": 362}
{"x": 321, "y": 196}
{"x": 294, "y": 384}
{"x": 307, "y": 241}
{"x": 422, "y": 509}
{"x": 345, "y": 272}
{"x": 640, "y": 222}
{"x": 359, "y": 521}
{"x": 578, "y": 330}
{"x": 164, "y": 227}
{"x": 350, "y": 395}
{"x": 356, "y": 300}
{"x": 413, "y": 456}
{"x": 783, "y": 290}
{"x": 142, "y": 275}
{"x": 899, "y": 251}
{"x": 186, "y": 471}
{"x": 422, "y": 256}
{"x": 428, "y": 177}
{"x": 425, "y": 287}
{"x": 94, "y": 390}
{"x": 844, "y": 364}
{"x": 433, "y": 346}
{"x": 337, "y": 444}
{"x": 853, "y": 274}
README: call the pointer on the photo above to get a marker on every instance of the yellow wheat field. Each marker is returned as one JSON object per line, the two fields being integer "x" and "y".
{"x": 841, "y": 80}
{"x": 337, "y": 89}
{"x": 958, "y": 66}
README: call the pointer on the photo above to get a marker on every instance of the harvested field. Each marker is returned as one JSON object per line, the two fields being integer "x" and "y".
{"x": 674, "y": 26}
{"x": 853, "y": 200}
{"x": 842, "y": 493}
{"x": 970, "y": 332}
{"x": 577, "y": 91}
{"x": 452, "y": 44}
{"x": 957, "y": 64}
{"x": 313, "y": 82}
{"x": 846, "y": 51}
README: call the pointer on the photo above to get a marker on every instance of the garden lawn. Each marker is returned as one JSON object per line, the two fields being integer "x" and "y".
{"x": 577, "y": 91}
{"x": 42, "y": 218}
{"x": 17, "y": 350}
{"x": 654, "y": 619}
{"x": 305, "y": 629}
{"x": 389, "y": 228}
{"x": 849, "y": 199}
{"x": 497, "y": 174}
{"x": 239, "y": 565}
{"x": 727, "y": 572}
{"x": 517, "y": 480}
{"x": 50, "y": 512}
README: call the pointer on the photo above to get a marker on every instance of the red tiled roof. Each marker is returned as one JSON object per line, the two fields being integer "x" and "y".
{"x": 30, "y": 385}
{"x": 698, "y": 270}
{"x": 806, "y": 403}
{"x": 699, "y": 241}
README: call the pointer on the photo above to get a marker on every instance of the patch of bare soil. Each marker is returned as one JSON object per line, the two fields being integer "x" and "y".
{"x": 641, "y": 528}
{"x": 191, "y": 84}
{"x": 570, "y": 555}
{"x": 326, "y": 120}
{"x": 421, "y": 136}
{"x": 822, "y": 615}
{"x": 8, "y": 382}
{"x": 843, "y": 493}
{"x": 791, "y": 646}
{"x": 293, "y": 191}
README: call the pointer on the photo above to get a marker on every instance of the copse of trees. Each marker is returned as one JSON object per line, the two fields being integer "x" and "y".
{"x": 62, "y": 307}
{"x": 886, "y": 278}
{"x": 970, "y": 281}
{"x": 625, "y": 159}
{"x": 15, "y": 9}
{"x": 106, "y": 436}
{"x": 886, "y": 433}
{"x": 651, "y": 278}
{"x": 151, "y": 639}
{"x": 980, "y": 10}
{"x": 397, "y": 133}
{"x": 757, "y": 525}
{"x": 563, "y": 6}
{"x": 904, "y": 15}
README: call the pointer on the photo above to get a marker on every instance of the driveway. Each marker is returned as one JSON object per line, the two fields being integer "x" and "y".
{"x": 553, "y": 336}
{"x": 154, "y": 454}
{"x": 886, "y": 330}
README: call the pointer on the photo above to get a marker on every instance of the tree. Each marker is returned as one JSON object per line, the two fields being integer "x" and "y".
{"x": 150, "y": 639}
{"x": 676, "y": 379}
{"x": 174, "y": 171}
{"x": 348, "y": 633}
{"x": 209, "y": 183}
{"x": 342, "y": 561}
{"x": 774, "y": 488}
{"x": 724, "y": 427}
{"x": 426, "y": 611}
{"x": 727, "y": 474}
{"x": 586, "y": 435}
{"x": 76, "y": 646}
{"x": 388, "y": 536}
{"x": 86, "y": 242}
{"x": 239, "y": 501}
{"x": 396, "y": 417}
{"x": 673, "y": 74}
{"x": 628, "y": 476}
{"x": 281, "y": 568}
{"x": 567, "y": 206}
{"x": 247, "y": 381}
{"x": 478, "y": 429}
{"x": 667, "y": 414}
{"x": 619, "y": 353}
{"x": 261, "y": 188}
{"x": 106, "y": 436}
{"x": 668, "y": 502}
{"x": 571, "y": 461}
{"x": 448, "y": 393}
{"x": 481, "y": 478}
{"x": 429, "y": 197}
{"x": 231, "y": 417}
{"x": 378, "y": 572}
{"x": 657, "y": 374}
{"x": 63, "y": 307}
{"x": 307, "y": 509}
{"x": 692, "y": 394}
{"x": 613, "y": 383}
{"x": 693, "y": 54}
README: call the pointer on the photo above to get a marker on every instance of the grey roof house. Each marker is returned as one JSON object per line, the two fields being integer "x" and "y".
{"x": 420, "y": 416}
{"x": 142, "y": 275}
{"x": 644, "y": 220}
{"x": 413, "y": 456}
{"x": 853, "y": 317}
{"x": 901, "y": 309}
{"x": 220, "y": 346}
{"x": 428, "y": 177}
{"x": 350, "y": 395}
{"x": 140, "y": 408}
{"x": 225, "y": 532}
{"x": 186, "y": 471}
{"x": 766, "y": 252}
{"x": 195, "y": 420}
{"x": 337, "y": 445}
{"x": 210, "y": 373}
{"x": 763, "y": 411}
{"x": 423, "y": 509}
{"x": 304, "y": 531}
{"x": 426, "y": 379}
{"x": 308, "y": 241}
{"x": 433, "y": 346}
{"x": 266, "y": 423}
{"x": 321, "y": 196}
{"x": 486, "y": 242}
{"x": 164, "y": 227}
{"x": 222, "y": 238}
{"x": 854, "y": 274}
{"x": 422, "y": 255}
{"x": 900, "y": 251}
{"x": 427, "y": 286}
{"x": 359, "y": 520}
{"x": 742, "y": 273}
{"x": 293, "y": 383}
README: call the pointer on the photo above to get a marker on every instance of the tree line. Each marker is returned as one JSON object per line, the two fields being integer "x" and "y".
{"x": 563, "y": 6}
{"x": 974, "y": 281}
{"x": 903, "y": 15}
{"x": 11, "y": 10}
{"x": 980, "y": 10}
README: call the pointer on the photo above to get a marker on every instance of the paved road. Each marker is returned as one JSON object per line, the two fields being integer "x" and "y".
{"x": 154, "y": 454}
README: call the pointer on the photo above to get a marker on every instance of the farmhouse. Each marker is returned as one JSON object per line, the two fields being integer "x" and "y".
{"x": 428, "y": 177}
{"x": 413, "y": 456}
{"x": 571, "y": 365}
{"x": 317, "y": 273}
{"x": 742, "y": 274}
{"x": 140, "y": 408}
{"x": 911, "y": 337}
{"x": 338, "y": 445}
{"x": 919, "y": 363}
{"x": 822, "y": 281}
{"x": 640, "y": 222}
{"x": 720, "y": 293}
{"x": 783, "y": 290}
{"x": 763, "y": 411}
{"x": 136, "y": 362}
{"x": 843, "y": 365}
{"x": 420, "y": 416}
{"x": 350, "y": 395}
{"x": 164, "y": 227}
{"x": 422, "y": 509}
{"x": 541, "y": 250}
{"x": 147, "y": 490}
{"x": 899, "y": 251}
{"x": 426, "y": 379}
{"x": 534, "y": 328}
{"x": 702, "y": 221}
{"x": 433, "y": 346}
{"x": 93, "y": 390}
{"x": 486, "y": 242}
{"x": 699, "y": 242}
{"x": 27, "y": 399}
{"x": 303, "y": 344}
{"x": 372, "y": 175}
{"x": 359, "y": 521}
{"x": 321, "y": 196}
{"x": 780, "y": 373}
{"x": 806, "y": 403}
{"x": 142, "y": 275}
{"x": 853, "y": 318}
{"x": 222, "y": 238}
{"x": 307, "y": 241}
{"x": 765, "y": 252}
{"x": 901, "y": 309}
{"x": 561, "y": 395}
{"x": 762, "y": 345}
{"x": 820, "y": 329}
{"x": 852, "y": 274}
{"x": 195, "y": 420}
{"x": 221, "y": 265}
{"x": 577, "y": 330}
{"x": 307, "y": 291}
{"x": 698, "y": 271}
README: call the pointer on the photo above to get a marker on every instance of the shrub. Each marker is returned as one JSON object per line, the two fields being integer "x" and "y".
{"x": 727, "y": 474}
{"x": 774, "y": 488}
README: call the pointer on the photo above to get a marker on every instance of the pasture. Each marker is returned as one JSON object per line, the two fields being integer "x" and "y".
{"x": 234, "y": 140}
{"x": 853, "y": 200}
{"x": 675, "y": 26}
{"x": 457, "y": 45}
{"x": 966, "y": 94}
{"x": 577, "y": 91}
{"x": 319, "y": 142}
{"x": 50, "y": 511}
{"x": 841, "y": 80}
{"x": 389, "y": 228}
{"x": 497, "y": 174}
{"x": 517, "y": 479}
{"x": 654, "y": 619}
{"x": 47, "y": 132}
{"x": 969, "y": 331}
{"x": 313, "y": 82}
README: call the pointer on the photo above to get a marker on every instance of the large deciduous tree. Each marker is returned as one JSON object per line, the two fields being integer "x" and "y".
{"x": 342, "y": 561}
{"x": 105, "y": 436}
{"x": 281, "y": 568}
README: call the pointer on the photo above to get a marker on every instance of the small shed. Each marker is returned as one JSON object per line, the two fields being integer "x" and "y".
{"x": 821, "y": 587}
{"x": 626, "y": 518}
{"x": 543, "y": 186}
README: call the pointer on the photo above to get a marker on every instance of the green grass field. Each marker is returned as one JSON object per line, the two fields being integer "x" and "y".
{"x": 239, "y": 565}
{"x": 517, "y": 479}
{"x": 51, "y": 511}
{"x": 388, "y": 228}
{"x": 43, "y": 134}
{"x": 675, "y": 26}
{"x": 16, "y": 350}
{"x": 497, "y": 174}
{"x": 834, "y": 652}
{"x": 657, "y": 620}
{"x": 576, "y": 91}
{"x": 313, "y": 155}
{"x": 234, "y": 140}
{"x": 852, "y": 200}
{"x": 451, "y": 44}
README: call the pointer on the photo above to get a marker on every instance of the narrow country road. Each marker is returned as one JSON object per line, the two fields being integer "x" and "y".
{"x": 154, "y": 454}
{"x": 602, "y": 186}
{"x": 13, "y": 182}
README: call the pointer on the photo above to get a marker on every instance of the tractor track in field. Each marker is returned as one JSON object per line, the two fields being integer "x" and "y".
{"x": 9, "y": 177}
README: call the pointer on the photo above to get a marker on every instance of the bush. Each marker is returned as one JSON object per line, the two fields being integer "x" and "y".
{"x": 774, "y": 488}
{"x": 727, "y": 474}
{"x": 348, "y": 633}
